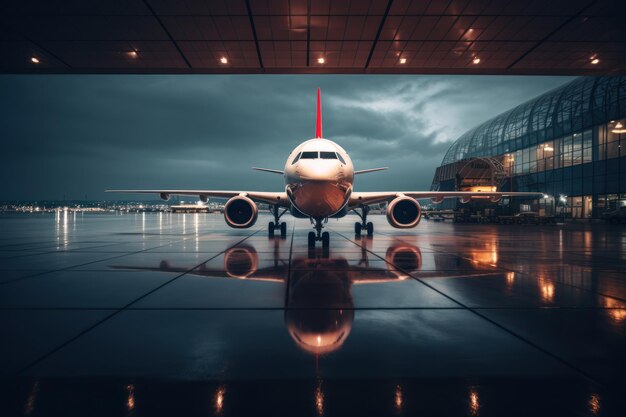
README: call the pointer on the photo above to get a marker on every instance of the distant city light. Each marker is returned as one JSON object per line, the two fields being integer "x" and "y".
{"x": 34, "y": 60}
{"x": 594, "y": 60}
{"x": 476, "y": 60}
{"x": 224, "y": 60}
{"x": 320, "y": 60}
{"x": 403, "y": 60}
{"x": 133, "y": 54}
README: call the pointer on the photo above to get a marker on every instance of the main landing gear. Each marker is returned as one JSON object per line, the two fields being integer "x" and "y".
{"x": 318, "y": 235}
{"x": 364, "y": 225}
{"x": 276, "y": 225}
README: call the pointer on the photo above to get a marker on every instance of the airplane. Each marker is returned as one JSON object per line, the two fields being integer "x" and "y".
{"x": 319, "y": 184}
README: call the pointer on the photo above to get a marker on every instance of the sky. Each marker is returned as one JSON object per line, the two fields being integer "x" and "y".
{"x": 73, "y": 136}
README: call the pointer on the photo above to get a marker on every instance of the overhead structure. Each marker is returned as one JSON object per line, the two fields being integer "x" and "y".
{"x": 582, "y": 37}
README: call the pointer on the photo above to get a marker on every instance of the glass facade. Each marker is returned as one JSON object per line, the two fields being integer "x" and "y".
{"x": 569, "y": 143}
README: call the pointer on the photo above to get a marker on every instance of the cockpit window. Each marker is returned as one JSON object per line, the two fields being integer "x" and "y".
{"x": 296, "y": 158}
{"x": 340, "y": 158}
{"x": 309, "y": 155}
{"x": 328, "y": 155}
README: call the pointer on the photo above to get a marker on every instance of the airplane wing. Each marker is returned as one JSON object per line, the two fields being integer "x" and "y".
{"x": 277, "y": 198}
{"x": 366, "y": 198}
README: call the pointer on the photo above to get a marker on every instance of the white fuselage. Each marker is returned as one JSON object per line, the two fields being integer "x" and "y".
{"x": 318, "y": 178}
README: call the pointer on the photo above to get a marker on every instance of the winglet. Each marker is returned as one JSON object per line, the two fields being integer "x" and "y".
{"x": 318, "y": 118}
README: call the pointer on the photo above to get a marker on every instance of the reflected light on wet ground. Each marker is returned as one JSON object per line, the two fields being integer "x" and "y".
{"x": 474, "y": 404}
{"x": 156, "y": 313}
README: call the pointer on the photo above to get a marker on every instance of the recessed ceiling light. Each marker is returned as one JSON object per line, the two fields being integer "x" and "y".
{"x": 320, "y": 60}
{"x": 224, "y": 60}
{"x": 594, "y": 60}
{"x": 403, "y": 60}
{"x": 34, "y": 60}
{"x": 476, "y": 60}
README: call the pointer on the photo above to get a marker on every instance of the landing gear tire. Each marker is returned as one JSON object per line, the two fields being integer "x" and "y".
{"x": 270, "y": 229}
{"x": 311, "y": 239}
{"x": 370, "y": 229}
{"x": 325, "y": 239}
{"x": 357, "y": 229}
{"x": 283, "y": 230}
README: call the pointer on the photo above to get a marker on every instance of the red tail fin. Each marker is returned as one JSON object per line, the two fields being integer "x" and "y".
{"x": 318, "y": 119}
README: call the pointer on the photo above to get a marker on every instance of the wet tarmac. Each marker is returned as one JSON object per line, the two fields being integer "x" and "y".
{"x": 172, "y": 314}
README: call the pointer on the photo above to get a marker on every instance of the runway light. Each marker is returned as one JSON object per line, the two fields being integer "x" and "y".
{"x": 219, "y": 399}
{"x": 398, "y": 397}
{"x": 319, "y": 398}
{"x": 476, "y": 60}
{"x": 224, "y": 60}
{"x": 403, "y": 60}
{"x": 474, "y": 402}
{"x": 594, "y": 60}
{"x": 320, "y": 60}
{"x": 130, "y": 399}
{"x": 34, "y": 60}
{"x": 594, "y": 404}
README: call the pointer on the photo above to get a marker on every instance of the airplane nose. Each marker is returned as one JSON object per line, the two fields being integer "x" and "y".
{"x": 318, "y": 170}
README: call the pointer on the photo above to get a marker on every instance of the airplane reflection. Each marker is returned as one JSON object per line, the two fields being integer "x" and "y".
{"x": 319, "y": 307}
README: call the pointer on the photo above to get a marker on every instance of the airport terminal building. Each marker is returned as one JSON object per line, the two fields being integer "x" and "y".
{"x": 569, "y": 143}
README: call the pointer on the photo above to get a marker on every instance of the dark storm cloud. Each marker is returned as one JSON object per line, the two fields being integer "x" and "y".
{"x": 73, "y": 136}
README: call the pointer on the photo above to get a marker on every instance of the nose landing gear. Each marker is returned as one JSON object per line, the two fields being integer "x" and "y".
{"x": 276, "y": 225}
{"x": 318, "y": 235}
{"x": 364, "y": 225}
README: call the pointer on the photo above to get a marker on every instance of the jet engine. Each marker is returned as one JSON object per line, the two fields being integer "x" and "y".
{"x": 240, "y": 212}
{"x": 404, "y": 212}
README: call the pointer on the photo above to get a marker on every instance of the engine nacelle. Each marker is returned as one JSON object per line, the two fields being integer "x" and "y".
{"x": 495, "y": 198}
{"x": 240, "y": 212}
{"x": 465, "y": 199}
{"x": 404, "y": 212}
{"x": 204, "y": 198}
{"x": 437, "y": 200}
{"x": 164, "y": 196}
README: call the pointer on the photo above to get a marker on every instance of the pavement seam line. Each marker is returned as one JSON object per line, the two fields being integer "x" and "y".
{"x": 101, "y": 321}
{"x": 489, "y": 320}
